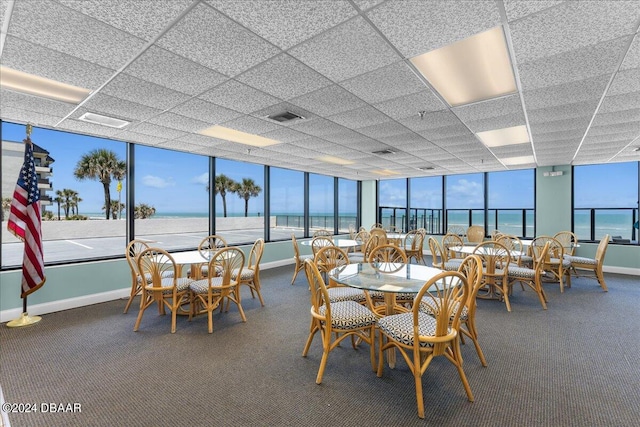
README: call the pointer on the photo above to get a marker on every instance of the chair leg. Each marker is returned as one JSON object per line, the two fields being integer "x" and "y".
{"x": 472, "y": 332}
{"x": 417, "y": 377}
{"x": 297, "y": 269}
{"x": 600, "y": 277}
{"x": 256, "y": 286}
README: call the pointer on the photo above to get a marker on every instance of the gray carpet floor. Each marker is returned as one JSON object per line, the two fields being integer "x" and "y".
{"x": 575, "y": 364}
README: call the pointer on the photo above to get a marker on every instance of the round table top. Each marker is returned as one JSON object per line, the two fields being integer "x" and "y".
{"x": 408, "y": 278}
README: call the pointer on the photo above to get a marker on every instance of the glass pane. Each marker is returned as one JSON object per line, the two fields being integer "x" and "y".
{"x": 321, "y": 203}
{"x": 393, "y": 202}
{"x": 347, "y": 204}
{"x": 426, "y": 204}
{"x": 172, "y": 200}
{"x": 465, "y": 200}
{"x": 286, "y": 203}
{"x": 76, "y": 225}
{"x": 240, "y": 201}
{"x": 510, "y": 193}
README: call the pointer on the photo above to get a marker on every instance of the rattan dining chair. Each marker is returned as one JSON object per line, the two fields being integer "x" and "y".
{"x": 475, "y": 234}
{"x": 532, "y": 277}
{"x": 325, "y": 260}
{"x": 419, "y": 337}
{"x": 414, "y": 246}
{"x": 207, "y": 247}
{"x": 170, "y": 292}
{"x": 298, "y": 259}
{"x": 210, "y": 293}
{"x": 251, "y": 272}
{"x": 593, "y": 265}
{"x": 320, "y": 242}
{"x": 439, "y": 257}
{"x": 322, "y": 232}
{"x": 336, "y": 321}
{"x": 495, "y": 259}
{"x": 555, "y": 261}
{"x": 134, "y": 248}
{"x": 449, "y": 241}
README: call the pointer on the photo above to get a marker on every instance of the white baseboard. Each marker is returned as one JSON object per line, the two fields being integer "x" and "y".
{"x": 621, "y": 270}
{"x": 66, "y": 304}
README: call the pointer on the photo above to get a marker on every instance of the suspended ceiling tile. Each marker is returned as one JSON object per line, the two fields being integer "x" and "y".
{"x": 88, "y": 128}
{"x": 140, "y": 138}
{"x": 625, "y": 81}
{"x": 359, "y": 118}
{"x": 179, "y": 122}
{"x": 552, "y": 137}
{"x": 351, "y": 49}
{"x": 149, "y": 94}
{"x": 449, "y": 133}
{"x": 509, "y": 104}
{"x": 498, "y": 122}
{"x": 512, "y": 150}
{"x": 239, "y": 97}
{"x": 179, "y": 145}
{"x": 618, "y": 117}
{"x": 367, "y": 4}
{"x": 631, "y": 128}
{"x": 574, "y": 65}
{"x": 251, "y": 125}
{"x": 517, "y": 9}
{"x": 284, "y": 77}
{"x": 156, "y": 130}
{"x": 570, "y": 26}
{"x": 209, "y": 38}
{"x": 433, "y": 120}
{"x": 346, "y": 137}
{"x": 285, "y": 23}
{"x": 284, "y": 134}
{"x": 317, "y": 127}
{"x": 627, "y": 101}
{"x": 53, "y": 25}
{"x": 119, "y": 108}
{"x": 416, "y": 27}
{"x": 411, "y": 105}
{"x": 604, "y": 139}
{"x": 328, "y": 100}
{"x": 35, "y": 104}
{"x": 568, "y": 93}
{"x": 385, "y": 83}
{"x": 167, "y": 69}
{"x": 205, "y": 111}
{"x": 632, "y": 60}
{"x": 200, "y": 140}
{"x": 579, "y": 124}
{"x": 380, "y": 130}
{"x": 52, "y": 64}
{"x": 143, "y": 19}
{"x": 563, "y": 112}
{"x": 18, "y": 115}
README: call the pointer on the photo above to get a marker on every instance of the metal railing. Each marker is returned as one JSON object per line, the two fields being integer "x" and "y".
{"x": 593, "y": 223}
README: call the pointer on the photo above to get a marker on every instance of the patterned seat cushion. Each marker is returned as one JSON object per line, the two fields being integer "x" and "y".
{"x": 426, "y": 308}
{"x": 247, "y": 274}
{"x": 521, "y": 272}
{"x": 566, "y": 263}
{"x": 202, "y": 286}
{"x": 182, "y": 284}
{"x": 341, "y": 293}
{"x": 580, "y": 260}
{"x": 349, "y": 315}
{"x": 147, "y": 276}
{"x": 400, "y": 327}
{"x": 452, "y": 265}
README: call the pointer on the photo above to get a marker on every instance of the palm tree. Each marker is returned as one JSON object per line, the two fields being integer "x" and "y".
{"x": 223, "y": 185}
{"x": 246, "y": 190}
{"x": 75, "y": 199}
{"x": 143, "y": 211}
{"x": 66, "y": 197}
{"x": 101, "y": 165}
{"x": 59, "y": 199}
{"x": 6, "y": 206}
{"x": 116, "y": 208}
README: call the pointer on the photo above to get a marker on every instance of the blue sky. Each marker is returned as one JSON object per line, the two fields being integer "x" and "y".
{"x": 173, "y": 181}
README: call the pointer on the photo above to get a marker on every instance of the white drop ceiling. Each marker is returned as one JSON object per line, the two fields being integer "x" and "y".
{"x": 175, "y": 67}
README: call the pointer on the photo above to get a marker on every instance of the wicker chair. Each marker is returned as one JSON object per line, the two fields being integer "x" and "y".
{"x": 475, "y": 234}
{"x": 251, "y": 273}
{"x": 207, "y": 247}
{"x": 449, "y": 241}
{"x": 299, "y": 259}
{"x": 591, "y": 264}
{"x": 134, "y": 248}
{"x": 419, "y": 337}
{"x": 532, "y": 276}
{"x": 169, "y": 292}
{"x": 495, "y": 259}
{"x": 555, "y": 262}
{"x": 414, "y": 246}
{"x": 318, "y": 233}
{"x": 336, "y": 321}
{"x": 320, "y": 242}
{"x": 325, "y": 260}
{"x": 439, "y": 258}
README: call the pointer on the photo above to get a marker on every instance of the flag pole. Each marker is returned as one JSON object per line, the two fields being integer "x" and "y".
{"x": 25, "y": 319}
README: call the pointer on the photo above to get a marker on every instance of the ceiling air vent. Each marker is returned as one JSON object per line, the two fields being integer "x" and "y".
{"x": 284, "y": 117}
{"x": 426, "y": 168}
{"x": 385, "y": 152}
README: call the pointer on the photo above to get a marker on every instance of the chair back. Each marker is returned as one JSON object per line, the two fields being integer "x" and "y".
{"x": 437, "y": 256}
{"x": 556, "y": 250}
{"x": 414, "y": 240}
{"x": 475, "y": 234}
{"x": 156, "y": 264}
{"x": 228, "y": 263}
{"x": 319, "y": 293}
{"x": 445, "y": 296}
{"x": 568, "y": 240}
{"x": 322, "y": 233}
{"x": 495, "y": 257}
{"x": 211, "y": 244}
{"x": 361, "y": 237}
{"x": 255, "y": 255}
{"x": 376, "y": 225}
{"x": 352, "y": 231}
{"x": 495, "y": 234}
{"x": 320, "y": 242}
{"x": 329, "y": 257}
{"x": 296, "y": 248}
{"x": 471, "y": 268}
{"x": 374, "y": 241}
{"x": 379, "y": 232}
{"x": 602, "y": 249}
{"x": 458, "y": 230}
{"x": 513, "y": 244}
{"x": 134, "y": 248}
{"x": 387, "y": 258}
{"x": 449, "y": 241}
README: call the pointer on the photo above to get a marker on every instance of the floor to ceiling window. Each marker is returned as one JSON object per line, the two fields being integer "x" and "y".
{"x": 605, "y": 201}
{"x": 239, "y": 201}
{"x": 425, "y": 204}
{"x": 171, "y": 193}
{"x": 465, "y": 200}
{"x": 392, "y": 201}
{"x": 511, "y": 202}
{"x": 77, "y": 175}
{"x": 286, "y": 199}
{"x": 347, "y": 204}
{"x": 321, "y": 202}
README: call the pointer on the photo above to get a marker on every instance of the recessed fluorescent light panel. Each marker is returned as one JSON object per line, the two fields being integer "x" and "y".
{"x": 99, "y": 119}
{"x": 505, "y": 136}
{"x": 521, "y": 160}
{"x": 385, "y": 172}
{"x": 471, "y": 70}
{"x": 233, "y": 135}
{"x": 335, "y": 160}
{"x": 39, "y": 86}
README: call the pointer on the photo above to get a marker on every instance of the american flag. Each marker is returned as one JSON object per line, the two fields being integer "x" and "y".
{"x": 25, "y": 223}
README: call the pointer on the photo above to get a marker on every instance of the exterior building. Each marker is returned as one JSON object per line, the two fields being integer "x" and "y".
{"x": 12, "y": 159}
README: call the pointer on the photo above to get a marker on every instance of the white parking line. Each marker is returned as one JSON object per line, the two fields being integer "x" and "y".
{"x": 79, "y": 244}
